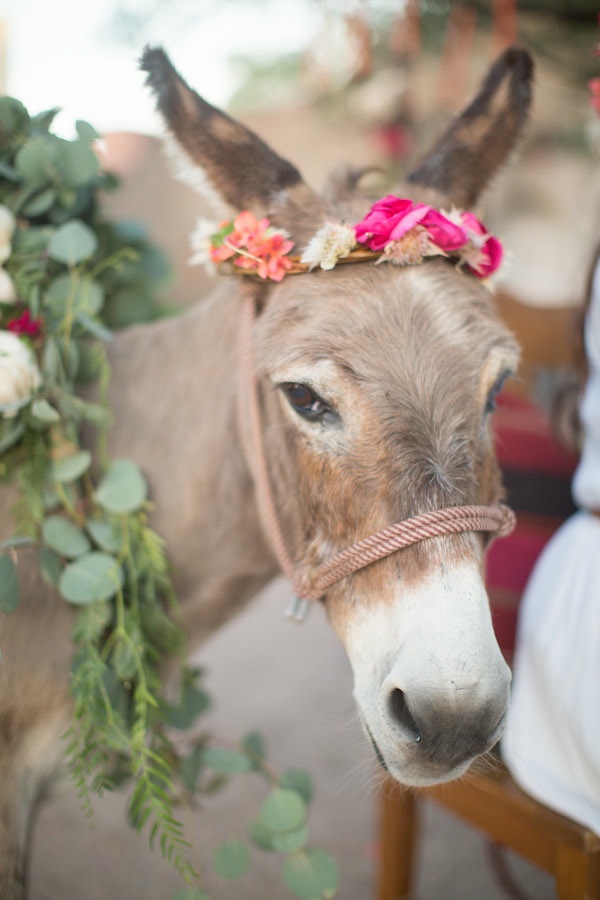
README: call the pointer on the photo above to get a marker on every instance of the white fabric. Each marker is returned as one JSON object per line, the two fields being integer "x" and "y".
{"x": 552, "y": 739}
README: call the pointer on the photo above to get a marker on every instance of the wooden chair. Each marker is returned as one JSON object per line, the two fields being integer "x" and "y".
{"x": 493, "y": 803}
{"x": 489, "y": 799}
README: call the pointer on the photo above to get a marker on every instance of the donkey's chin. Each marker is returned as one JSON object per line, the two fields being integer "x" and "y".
{"x": 408, "y": 767}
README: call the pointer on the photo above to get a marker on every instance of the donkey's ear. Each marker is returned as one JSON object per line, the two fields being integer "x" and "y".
{"x": 480, "y": 139}
{"x": 240, "y": 168}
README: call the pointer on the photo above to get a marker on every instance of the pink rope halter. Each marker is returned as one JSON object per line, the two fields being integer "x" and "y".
{"x": 451, "y": 520}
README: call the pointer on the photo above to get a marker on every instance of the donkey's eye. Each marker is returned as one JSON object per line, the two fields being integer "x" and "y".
{"x": 490, "y": 403}
{"x": 305, "y": 401}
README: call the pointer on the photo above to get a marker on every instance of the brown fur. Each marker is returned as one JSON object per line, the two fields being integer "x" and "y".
{"x": 411, "y": 352}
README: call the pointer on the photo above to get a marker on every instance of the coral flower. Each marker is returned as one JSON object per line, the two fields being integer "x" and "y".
{"x": 254, "y": 245}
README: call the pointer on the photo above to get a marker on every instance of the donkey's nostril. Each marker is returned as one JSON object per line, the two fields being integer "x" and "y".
{"x": 402, "y": 715}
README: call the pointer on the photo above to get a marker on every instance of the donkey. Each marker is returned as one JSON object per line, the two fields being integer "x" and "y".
{"x": 374, "y": 387}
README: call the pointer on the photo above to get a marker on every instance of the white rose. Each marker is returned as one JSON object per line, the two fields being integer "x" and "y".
{"x": 7, "y": 227}
{"x": 19, "y": 374}
{"x": 7, "y": 288}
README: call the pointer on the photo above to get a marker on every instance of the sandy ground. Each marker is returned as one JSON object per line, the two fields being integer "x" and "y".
{"x": 292, "y": 683}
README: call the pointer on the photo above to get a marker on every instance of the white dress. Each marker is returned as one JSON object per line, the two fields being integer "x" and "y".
{"x": 552, "y": 739}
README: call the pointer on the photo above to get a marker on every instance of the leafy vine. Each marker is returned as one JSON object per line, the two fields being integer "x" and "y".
{"x": 65, "y": 273}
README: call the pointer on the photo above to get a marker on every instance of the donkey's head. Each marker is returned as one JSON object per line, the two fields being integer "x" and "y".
{"x": 376, "y": 388}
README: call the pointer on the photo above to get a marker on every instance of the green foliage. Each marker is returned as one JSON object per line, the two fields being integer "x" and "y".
{"x": 87, "y": 516}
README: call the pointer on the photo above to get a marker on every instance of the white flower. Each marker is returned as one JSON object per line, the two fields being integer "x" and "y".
{"x": 7, "y": 227}
{"x": 200, "y": 243}
{"x": 330, "y": 243}
{"x": 19, "y": 374}
{"x": 7, "y": 288}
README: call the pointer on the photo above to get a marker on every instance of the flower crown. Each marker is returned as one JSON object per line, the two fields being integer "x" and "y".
{"x": 394, "y": 230}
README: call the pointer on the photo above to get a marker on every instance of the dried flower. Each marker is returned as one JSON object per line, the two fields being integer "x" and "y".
{"x": 19, "y": 374}
{"x": 331, "y": 243}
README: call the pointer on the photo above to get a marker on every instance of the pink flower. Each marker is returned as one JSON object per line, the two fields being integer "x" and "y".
{"x": 26, "y": 324}
{"x": 254, "y": 245}
{"x": 390, "y": 219}
{"x": 483, "y": 254}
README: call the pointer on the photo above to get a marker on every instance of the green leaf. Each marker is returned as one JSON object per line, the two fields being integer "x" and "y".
{"x": 123, "y": 489}
{"x": 44, "y": 412}
{"x": 283, "y": 810}
{"x": 290, "y": 841}
{"x": 225, "y": 761}
{"x": 40, "y": 202}
{"x": 9, "y": 584}
{"x": 260, "y": 835}
{"x": 86, "y": 131}
{"x": 311, "y": 874}
{"x": 93, "y": 327}
{"x": 254, "y": 745}
{"x": 71, "y": 467}
{"x": 36, "y": 161}
{"x": 78, "y": 163}
{"x": 190, "y": 768}
{"x": 104, "y": 534}
{"x": 72, "y": 243}
{"x": 231, "y": 859}
{"x": 193, "y": 702}
{"x": 13, "y": 116}
{"x": 50, "y": 566}
{"x": 65, "y": 537}
{"x": 124, "y": 661}
{"x": 71, "y": 293}
{"x": 298, "y": 780}
{"x": 93, "y": 576}
{"x": 11, "y": 430}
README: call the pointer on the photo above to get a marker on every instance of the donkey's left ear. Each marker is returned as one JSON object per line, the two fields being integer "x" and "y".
{"x": 480, "y": 139}
{"x": 239, "y": 167}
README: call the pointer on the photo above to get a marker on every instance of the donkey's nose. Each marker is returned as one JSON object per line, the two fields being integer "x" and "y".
{"x": 447, "y": 723}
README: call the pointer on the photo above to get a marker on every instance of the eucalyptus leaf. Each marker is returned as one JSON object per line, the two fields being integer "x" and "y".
{"x": 64, "y": 537}
{"x": 36, "y": 161}
{"x": 93, "y": 327}
{"x": 254, "y": 745}
{"x": 93, "y": 576}
{"x": 78, "y": 162}
{"x": 289, "y": 841}
{"x": 260, "y": 835}
{"x": 123, "y": 489}
{"x": 298, "y": 780}
{"x": 193, "y": 702}
{"x": 9, "y": 584}
{"x": 104, "y": 534}
{"x": 72, "y": 243}
{"x": 190, "y": 769}
{"x": 72, "y": 294}
{"x": 40, "y": 202}
{"x": 311, "y": 874}
{"x": 69, "y": 468}
{"x": 86, "y": 131}
{"x": 283, "y": 810}
{"x": 11, "y": 430}
{"x": 44, "y": 412}
{"x": 51, "y": 566}
{"x": 14, "y": 118}
{"x": 231, "y": 859}
{"x": 226, "y": 761}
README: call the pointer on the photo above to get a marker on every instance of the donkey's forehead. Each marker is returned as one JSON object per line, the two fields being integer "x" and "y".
{"x": 342, "y": 315}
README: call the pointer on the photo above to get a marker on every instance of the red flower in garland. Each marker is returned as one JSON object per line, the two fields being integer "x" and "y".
{"x": 26, "y": 324}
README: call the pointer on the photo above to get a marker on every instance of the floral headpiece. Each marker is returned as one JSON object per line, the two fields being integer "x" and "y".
{"x": 394, "y": 230}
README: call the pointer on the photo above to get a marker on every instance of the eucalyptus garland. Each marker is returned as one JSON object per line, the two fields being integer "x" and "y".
{"x": 66, "y": 277}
